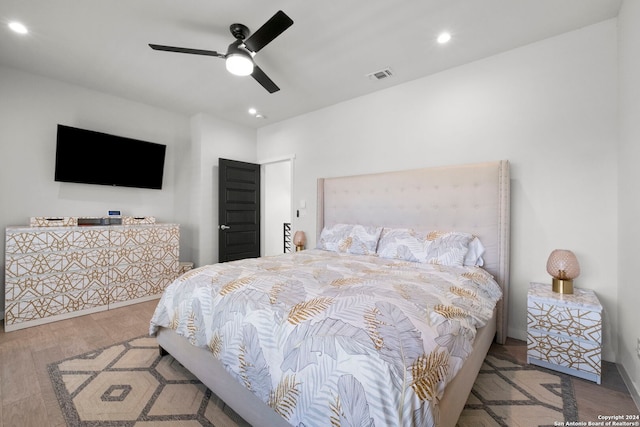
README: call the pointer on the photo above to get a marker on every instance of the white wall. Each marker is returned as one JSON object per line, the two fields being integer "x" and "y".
{"x": 212, "y": 138}
{"x": 629, "y": 191}
{"x": 30, "y": 109}
{"x": 549, "y": 108}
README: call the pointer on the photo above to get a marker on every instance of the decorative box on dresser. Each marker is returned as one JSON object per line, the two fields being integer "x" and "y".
{"x": 564, "y": 331}
{"x": 53, "y": 273}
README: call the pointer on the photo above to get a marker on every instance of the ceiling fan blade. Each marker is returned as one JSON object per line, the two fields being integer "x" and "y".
{"x": 186, "y": 50}
{"x": 264, "y": 80}
{"x": 269, "y": 31}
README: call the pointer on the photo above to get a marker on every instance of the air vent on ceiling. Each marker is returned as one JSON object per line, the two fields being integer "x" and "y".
{"x": 381, "y": 75}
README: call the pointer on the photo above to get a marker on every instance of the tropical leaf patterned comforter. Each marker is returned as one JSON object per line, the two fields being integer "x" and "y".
{"x": 333, "y": 339}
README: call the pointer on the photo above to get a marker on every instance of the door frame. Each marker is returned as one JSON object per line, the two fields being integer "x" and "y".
{"x": 287, "y": 158}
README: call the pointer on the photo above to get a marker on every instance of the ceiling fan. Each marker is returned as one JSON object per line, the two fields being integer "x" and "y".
{"x": 240, "y": 53}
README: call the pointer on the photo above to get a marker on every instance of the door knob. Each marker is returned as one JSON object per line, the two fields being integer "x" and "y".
{"x": 224, "y": 227}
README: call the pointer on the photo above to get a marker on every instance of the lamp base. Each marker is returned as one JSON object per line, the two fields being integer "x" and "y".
{"x": 299, "y": 248}
{"x": 562, "y": 286}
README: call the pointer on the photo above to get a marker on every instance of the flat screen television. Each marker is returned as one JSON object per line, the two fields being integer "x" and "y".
{"x": 90, "y": 157}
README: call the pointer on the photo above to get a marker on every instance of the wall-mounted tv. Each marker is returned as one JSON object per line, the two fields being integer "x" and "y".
{"x": 90, "y": 157}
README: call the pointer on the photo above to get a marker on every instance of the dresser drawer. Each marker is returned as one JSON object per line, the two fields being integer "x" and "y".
{"x": 145, "y": 235}
{"x": 23, "y": 242}
{"x": 561, "y": 320}
{"x": 55, "y": 262}
{"x": 126, "y": 292}
{"x": 125, "y": 273}
{"x": 569, "y": 353}
{"x": 29, "y": 287}
{"x": 144, "y": 253}
{"x": 35, "y": 309}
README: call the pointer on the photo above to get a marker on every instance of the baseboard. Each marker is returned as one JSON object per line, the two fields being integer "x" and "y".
{"x": 635, "y": 395}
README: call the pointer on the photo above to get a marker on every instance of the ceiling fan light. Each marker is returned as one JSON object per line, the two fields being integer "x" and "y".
{"x": 239, "y": 64}
{"x": 238, "y": 59}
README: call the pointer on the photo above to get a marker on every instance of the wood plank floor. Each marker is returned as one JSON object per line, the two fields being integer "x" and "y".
{"x": 26, "y": 392}
{"x": 609, "y": 398}
{"x": 27, "y": 397}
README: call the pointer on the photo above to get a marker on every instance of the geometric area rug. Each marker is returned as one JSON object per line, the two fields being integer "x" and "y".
{"x": 509, "y": 394}
{"x": 130, "y": 384}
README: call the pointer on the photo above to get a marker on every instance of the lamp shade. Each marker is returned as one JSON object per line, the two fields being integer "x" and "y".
{"x": 299, "y": 238}
{"x": 563, "y": 264}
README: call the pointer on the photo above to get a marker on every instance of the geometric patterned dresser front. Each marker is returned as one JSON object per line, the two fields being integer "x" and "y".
{"x": 53, "y": 273}
{"x": 564, "y": 331}
{"x": 145, "y": 261}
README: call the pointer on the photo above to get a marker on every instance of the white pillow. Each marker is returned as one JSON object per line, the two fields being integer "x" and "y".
{"x": 402, "y": 243}
{"x": 350, "y": 238}
{"x": 331, "y": 237}
{"x": 474, "y": 255}
{"x": 436, "y": 247}
{"x": 447, "y": 248}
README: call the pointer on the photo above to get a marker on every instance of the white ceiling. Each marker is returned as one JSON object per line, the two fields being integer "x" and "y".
{"x": 319, "y": 61}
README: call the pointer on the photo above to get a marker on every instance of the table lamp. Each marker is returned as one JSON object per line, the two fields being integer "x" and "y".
{"x": 563, "y": 266}
{"x": 299, "y": 240}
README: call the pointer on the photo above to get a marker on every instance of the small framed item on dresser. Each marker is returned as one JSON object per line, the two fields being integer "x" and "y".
{"x": 564, "y": 331}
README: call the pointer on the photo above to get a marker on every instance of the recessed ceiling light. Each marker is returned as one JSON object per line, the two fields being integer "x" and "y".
{"x": 256, "y": 114}
{"x": 18, "y": 27}
{"x": 444, "y": 38}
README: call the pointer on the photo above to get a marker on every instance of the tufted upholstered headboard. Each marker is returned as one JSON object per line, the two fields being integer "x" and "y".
{"x": 474, "y": 198}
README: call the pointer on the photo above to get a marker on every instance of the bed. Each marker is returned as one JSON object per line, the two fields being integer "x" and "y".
{"x": 466, "y": 200}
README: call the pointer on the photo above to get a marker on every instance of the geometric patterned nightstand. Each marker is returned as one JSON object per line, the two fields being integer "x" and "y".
{"x": 564, "y": 331}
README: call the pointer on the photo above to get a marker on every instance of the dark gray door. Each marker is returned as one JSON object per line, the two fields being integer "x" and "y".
{"x": 239, "y": 210}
